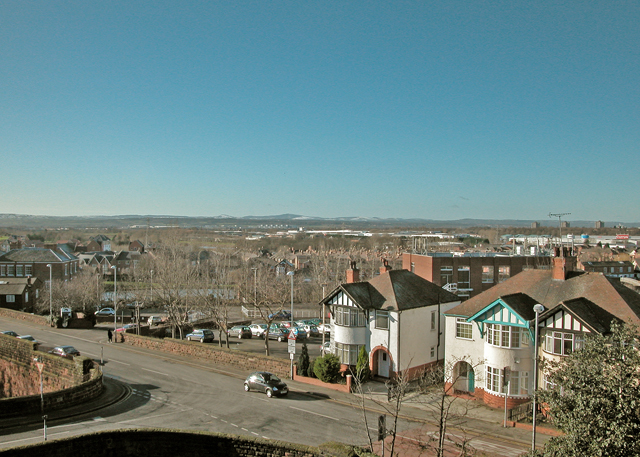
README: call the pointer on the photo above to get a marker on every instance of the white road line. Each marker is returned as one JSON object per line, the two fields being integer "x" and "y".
{"x": 156, "y": 372}
{"x": 312, "y": 412}
{"x": 150, "y": 417}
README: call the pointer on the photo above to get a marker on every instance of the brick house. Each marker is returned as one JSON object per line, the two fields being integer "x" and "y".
{"x": 396, "y": 316}
{"x": 496, "y": 329}
{"x": 98, "y": 243}
{"x": 469, "y": 274}
{"x": 22, "y": 263}
{"x": 19, "y": 294}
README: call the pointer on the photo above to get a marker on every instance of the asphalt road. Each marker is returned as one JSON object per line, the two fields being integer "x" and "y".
{"x": 179, "y": 393}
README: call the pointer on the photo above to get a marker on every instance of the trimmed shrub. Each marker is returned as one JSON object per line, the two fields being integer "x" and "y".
{"x": 310, "y": 372}
{"x": 303, "y": 361}
{"x": 327, "y": 368}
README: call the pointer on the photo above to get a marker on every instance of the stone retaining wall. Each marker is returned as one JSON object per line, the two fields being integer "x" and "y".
{"x": 219, "y": 355}
{"x": 157, "y": 443}
{"x": 65, "y": 382}
{"x": 20, "y": 316}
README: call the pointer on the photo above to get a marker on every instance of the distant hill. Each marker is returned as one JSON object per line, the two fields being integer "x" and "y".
{"x": 226, "y": 222}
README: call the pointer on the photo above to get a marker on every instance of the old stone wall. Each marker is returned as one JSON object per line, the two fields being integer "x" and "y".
{"x": 27, "y": 317}
{"x": 157, "y": 443}
{"x": 244, "y": 360}
{"x": 65, "y": 382}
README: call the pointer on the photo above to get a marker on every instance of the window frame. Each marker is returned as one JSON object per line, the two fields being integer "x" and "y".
{"x": 462, "y": 324}
{"x": 488, "y": 275}
{"x": 382, "y": 320}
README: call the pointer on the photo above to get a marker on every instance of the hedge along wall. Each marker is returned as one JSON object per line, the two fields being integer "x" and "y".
{"x": 162, "y": 443}
{"x": 65, "y": 382}
{"x": 244, "y": 360}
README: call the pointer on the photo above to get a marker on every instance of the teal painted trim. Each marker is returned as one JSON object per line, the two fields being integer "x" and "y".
{"x": 480, "y": 325}
{"x": 482, "y": 315}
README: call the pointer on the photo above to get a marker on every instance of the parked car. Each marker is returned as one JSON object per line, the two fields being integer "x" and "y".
{"x": 105, "y": 312}
{"x": 258, "y": 329}
{"x": 282, "y": 314}
{"x": 280, "y": 334}
{"x": 324, "y": 328}
{"x": 240, "y": 331}
{"x": 311, "y": 330}
{"x": 325, "y": 348}
{"x": 10, "y": 333}
{"x": 203, "y": 335}
{"x": 154, "y": 320}
{"x": 68, "y": 352}
{"x": 300, "y": 333}
{"x": 125, "y": 327}
{"x": 266, "y": 382}
{"x": 28, "y": 338}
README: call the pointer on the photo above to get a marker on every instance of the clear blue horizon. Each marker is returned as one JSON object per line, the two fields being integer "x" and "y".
{"x": 413, "y": 109}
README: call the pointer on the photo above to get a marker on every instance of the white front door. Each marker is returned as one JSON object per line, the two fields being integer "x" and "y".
{"x": 383, "y": 364}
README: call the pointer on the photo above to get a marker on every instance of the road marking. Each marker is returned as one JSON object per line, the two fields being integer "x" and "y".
{"x": 156, "y": 372}
{"x": 149, "y": 417}
{"x": 312, "y": 412}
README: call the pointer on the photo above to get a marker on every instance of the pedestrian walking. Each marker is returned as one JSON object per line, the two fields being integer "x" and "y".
{"x": 110, "y": 335}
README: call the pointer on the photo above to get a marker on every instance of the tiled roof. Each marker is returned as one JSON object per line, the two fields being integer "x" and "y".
{"x": 602, "y": 291}
{"x": 397, "y": 290}
{"x": 35, "y": 255}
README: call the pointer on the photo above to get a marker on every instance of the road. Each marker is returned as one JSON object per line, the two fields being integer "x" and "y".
{"x": 188, "y": 394}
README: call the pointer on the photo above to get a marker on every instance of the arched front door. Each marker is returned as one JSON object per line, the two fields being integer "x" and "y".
{"x": 383, "y": 364}
{"x": 465, "y": 377}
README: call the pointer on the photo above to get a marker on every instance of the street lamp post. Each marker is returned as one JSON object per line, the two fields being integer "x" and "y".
{"x": 255, "y": 287}
{"x": 324, "y": 326}
{"x": 50, "y": 295}
{"x": 290, "y": 274}
{"x": 537, "y": 309}
{"x": 115, "y": 294}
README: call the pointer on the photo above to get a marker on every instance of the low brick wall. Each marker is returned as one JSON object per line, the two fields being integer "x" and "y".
{"x": 232, "y": 357}
{"x": 27, "y": 317}
{"x": 316, "y": 382}
{"x": 65, "y": 382}
{"x": 157, "y": 443}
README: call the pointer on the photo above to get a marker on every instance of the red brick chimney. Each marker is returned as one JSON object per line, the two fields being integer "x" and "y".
{"x": 385, "y": 266}
{"x": 353, "y": 274}
{"x": 563, "y": 264}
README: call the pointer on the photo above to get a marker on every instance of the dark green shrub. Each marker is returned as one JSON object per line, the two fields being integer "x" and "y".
{"x": 303, "y": 361}
{"x": 310, "y": 372}
{"x": 327, "y": 368}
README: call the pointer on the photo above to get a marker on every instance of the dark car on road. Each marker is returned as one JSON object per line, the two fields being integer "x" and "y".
{"x": 279, "y": 334}
{"x": 282, "y": 314}
{"x": 240, "y": 331}
{"x": 266, "y": 382}
{"x": 68, "y": 352}
{"x": 203, "y": 335}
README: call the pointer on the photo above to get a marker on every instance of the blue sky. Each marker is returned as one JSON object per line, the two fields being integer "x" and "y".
{"x": 411, "y": 109}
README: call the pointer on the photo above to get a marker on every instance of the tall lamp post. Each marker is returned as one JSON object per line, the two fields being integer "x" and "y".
{"x": 290, "y": 274}
{"x": 50, "y": 295}
{"x": 537, "y": 309}
{"x": 324, "y": 325}
{"x": 255, "y": 286}
{"x": 115, "y": 294}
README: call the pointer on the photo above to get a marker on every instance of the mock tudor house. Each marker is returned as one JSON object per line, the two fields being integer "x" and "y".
{"x": 496, "y": 329}
{"x": 397, "y": 317}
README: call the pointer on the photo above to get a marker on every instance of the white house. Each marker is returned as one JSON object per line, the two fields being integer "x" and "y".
{"x": 496, "y": 329}
{"x": 397, "y": 316}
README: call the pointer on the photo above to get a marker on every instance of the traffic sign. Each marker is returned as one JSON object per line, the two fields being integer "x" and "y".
{"x": 292, "y": 346}
{"x": 292, "y": 335}
{"x": 40, "y": 366}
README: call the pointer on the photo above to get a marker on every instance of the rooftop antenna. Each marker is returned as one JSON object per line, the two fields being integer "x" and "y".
{"x": 559, "y": 216}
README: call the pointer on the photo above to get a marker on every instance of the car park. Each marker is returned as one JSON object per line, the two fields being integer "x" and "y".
{"x": 154, "y": 320}
{"x": 239, "y": 331}
{"x": 266, "y": 382}
{"x": 258, "y": 329}
{"x": 324, "y": 328}
{"x": 203, "y": 335}
{"x": 68, "y": 352}
{"x": 9, "y": 333}
{"x": 105, "y": 312}
{"x": 280, "y": 334}
{"x": 312, "y": 330}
